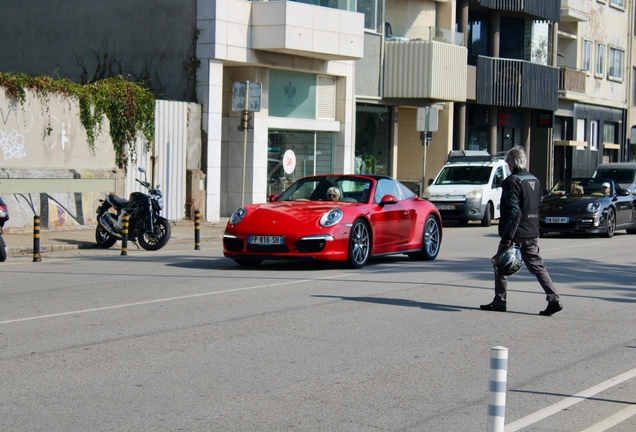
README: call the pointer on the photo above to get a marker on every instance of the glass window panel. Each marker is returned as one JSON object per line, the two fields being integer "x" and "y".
{"x": 587, "y": 56}
{"x": 600, "y": 59}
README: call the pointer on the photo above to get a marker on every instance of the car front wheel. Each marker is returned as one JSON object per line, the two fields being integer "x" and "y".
{"x": 610, "y": 224}
{"x": 359, "y": 245}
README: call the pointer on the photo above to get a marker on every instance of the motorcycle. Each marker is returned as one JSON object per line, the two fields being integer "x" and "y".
{"x": 4, "y": 216}
{"x": 145, "y": 225}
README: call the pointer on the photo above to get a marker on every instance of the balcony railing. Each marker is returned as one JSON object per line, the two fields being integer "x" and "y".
{"x": 517, "y": 84}
{"x": 542, "y": 9}
{"x": 571, "y": 80}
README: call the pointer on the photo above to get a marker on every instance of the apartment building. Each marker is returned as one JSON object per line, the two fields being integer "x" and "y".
{"x": 486, "y": 67}
{"x": 591, "y": 124}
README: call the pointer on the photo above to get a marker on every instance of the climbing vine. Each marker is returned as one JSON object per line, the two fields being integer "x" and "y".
{"x": 129, "y": 107}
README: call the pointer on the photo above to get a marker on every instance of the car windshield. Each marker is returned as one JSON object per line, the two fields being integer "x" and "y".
{"x": 467, "y": 174}
{"x": 328, "y": 188}
{"x": 581, "y": 186}
{"x": 618, "y": 175}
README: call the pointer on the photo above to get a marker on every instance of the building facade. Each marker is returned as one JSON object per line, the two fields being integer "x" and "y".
{"x": 594, "y": 42}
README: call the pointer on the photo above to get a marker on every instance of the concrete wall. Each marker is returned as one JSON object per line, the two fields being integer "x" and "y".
{"x": 48, "y": 169}
{"x": 150, "y": 40}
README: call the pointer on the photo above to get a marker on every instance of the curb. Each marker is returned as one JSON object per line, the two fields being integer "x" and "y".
{"x": 27, "y": 250}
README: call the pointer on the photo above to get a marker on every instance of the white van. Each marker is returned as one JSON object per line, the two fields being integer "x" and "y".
{"x": 469, "y": 187}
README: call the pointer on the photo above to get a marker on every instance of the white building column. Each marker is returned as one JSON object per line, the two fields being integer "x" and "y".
{"x": 210, "y": 95}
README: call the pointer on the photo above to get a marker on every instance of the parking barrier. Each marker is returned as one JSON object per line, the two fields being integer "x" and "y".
{"x": 124, "y": 236}
{"x": 197, "y": 230}
{"x": 497, "y": 389}
{"x": 36, "y": 239}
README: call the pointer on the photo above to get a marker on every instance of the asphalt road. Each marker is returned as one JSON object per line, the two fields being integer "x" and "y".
{"x": 187, "y": 340}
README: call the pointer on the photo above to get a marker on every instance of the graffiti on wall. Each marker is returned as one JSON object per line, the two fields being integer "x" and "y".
{"x": 48, "y": 134}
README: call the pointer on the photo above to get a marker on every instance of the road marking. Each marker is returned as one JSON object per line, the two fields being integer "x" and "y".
{"x": 568, "y": 402}
{"x": 163, "y": 300}
{"x": 612, "y": 421}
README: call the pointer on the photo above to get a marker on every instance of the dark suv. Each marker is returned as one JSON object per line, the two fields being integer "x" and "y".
{"x": 623, "y": 173}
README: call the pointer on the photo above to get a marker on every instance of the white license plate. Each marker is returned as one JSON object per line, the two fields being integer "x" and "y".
{"x": 558, "y": 220}
{"x": 266, "y": 240}
{"x": 445, "y": 207}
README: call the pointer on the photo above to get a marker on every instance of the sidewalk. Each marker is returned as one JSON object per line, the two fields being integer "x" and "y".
{"x": 59, "y": 239}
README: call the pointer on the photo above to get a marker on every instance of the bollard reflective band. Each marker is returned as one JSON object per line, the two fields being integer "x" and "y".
{"x": 497, "y": 389}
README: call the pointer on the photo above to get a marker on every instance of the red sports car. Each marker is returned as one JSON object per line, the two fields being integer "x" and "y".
{"x": 345, "y": 218}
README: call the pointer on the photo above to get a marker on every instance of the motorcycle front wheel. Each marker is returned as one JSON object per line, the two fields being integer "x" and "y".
{"x": 3, "y": 249}
{"x": 103, "y": 238}
{"x": 157, "y": 238}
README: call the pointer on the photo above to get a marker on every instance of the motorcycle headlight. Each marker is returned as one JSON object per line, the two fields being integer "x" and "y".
{"x": 160, "y": 202}
{"x": 477, "y": 193}
{"x": 331, "y": 218}
{"x": 593, "y": 207}
{"x": 238, "y": 216}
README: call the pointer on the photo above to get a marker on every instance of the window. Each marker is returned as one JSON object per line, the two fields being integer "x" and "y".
{"x": 600, "y": 59}
{"x": 619, "y": 3}
{"x": 609, "y": 132}
{"x": 616, "y": 64}
{"x": 372, "y": 10}
{"x": 587, "y": 56}
{"x": 594, "y": 135}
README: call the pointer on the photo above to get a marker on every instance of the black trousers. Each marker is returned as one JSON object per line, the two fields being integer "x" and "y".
{"x": 530, "y": 253}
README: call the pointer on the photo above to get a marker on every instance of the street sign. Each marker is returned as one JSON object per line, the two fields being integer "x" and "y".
{"x": 427, "y": 119}
{"x": 238, "y": 96}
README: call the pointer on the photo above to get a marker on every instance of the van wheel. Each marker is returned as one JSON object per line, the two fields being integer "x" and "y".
{"x": 486, "y": 221}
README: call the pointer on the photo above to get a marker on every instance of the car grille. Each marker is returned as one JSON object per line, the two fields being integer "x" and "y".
{"x": 267, "y": 248}
{"x": 309, "y": 246}
{"x": 233, "y": 244}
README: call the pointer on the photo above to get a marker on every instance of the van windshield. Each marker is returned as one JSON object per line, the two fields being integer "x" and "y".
{"x": 618, "y": 175}
{"x": 464, "y": 175}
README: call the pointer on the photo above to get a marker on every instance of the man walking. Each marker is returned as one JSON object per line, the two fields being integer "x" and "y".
{"x": 519, "y": 224}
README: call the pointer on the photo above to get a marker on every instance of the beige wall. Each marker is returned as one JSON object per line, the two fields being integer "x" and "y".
{"x": 411, "y": 18}
{"x": 411, "y": 151}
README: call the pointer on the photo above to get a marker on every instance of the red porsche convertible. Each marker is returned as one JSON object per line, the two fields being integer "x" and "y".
{"x": 347, "y": 218}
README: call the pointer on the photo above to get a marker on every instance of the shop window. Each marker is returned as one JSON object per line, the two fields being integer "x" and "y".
{"x": 373, "y": 138}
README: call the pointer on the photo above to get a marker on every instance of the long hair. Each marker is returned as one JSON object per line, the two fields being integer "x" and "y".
{"x": 516, "y": 157}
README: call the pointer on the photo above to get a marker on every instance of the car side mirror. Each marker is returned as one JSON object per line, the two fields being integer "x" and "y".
{"x": 623, "y": 192}
{"x": 388, "y": 199}
{"x": 272, "y": 197}
{"x": 430, "y": 181}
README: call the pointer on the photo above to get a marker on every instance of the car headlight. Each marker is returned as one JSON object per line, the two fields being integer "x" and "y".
{"x": 331, "y": 218}
{"x": 593, "y": 207}
{"x": 426, "y": 194}
{"x": 477, "y": 193}
{"x": 238, "y": 216}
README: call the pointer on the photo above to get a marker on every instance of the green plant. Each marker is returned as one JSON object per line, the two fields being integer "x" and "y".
{"x": 129, "y": 107}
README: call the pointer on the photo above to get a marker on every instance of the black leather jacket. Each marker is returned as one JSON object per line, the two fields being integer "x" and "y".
{"x": 520, "y": 200}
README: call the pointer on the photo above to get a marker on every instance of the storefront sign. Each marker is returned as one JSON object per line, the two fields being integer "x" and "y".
{"x": 292, "y": 94}
{"x": 289, "y": 161}
{"x": 544, "y": 119}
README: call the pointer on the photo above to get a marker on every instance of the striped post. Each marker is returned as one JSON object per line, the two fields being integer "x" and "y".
{"x": 124, "y": 236}
{"x": 497, "y": 389}
{"x": 36, "y": 239}
{"x": 197, "y": 230}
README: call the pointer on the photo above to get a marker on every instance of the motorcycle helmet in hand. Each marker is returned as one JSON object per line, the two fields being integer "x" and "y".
{"x": 508, "y": 261}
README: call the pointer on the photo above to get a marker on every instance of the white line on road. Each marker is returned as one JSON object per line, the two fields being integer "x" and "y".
{"x": 613, "y": 420}
{"x": 568, "y": 402}
{"x": 99, "y": 309}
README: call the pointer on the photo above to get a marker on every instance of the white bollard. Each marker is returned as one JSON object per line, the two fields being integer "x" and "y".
{"x": 497, "y": 389}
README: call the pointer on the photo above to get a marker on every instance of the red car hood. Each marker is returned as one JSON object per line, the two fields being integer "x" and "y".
{"x": 289, "y": 213}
